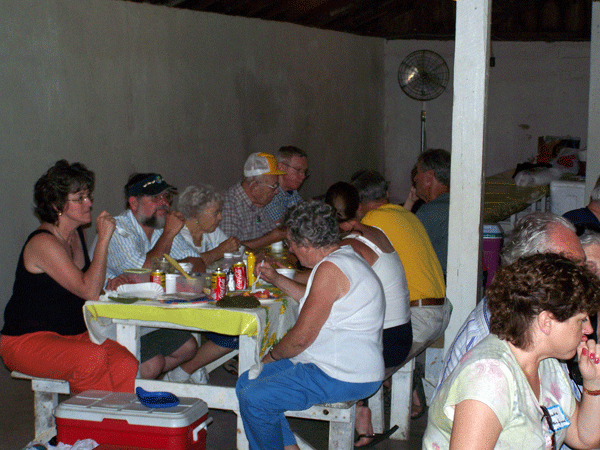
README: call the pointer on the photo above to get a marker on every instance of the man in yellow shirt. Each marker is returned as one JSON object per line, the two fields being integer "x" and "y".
{"x": 430, "y": 310}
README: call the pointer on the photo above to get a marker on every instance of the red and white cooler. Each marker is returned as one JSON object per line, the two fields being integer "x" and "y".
{"x": 117, "y": 418}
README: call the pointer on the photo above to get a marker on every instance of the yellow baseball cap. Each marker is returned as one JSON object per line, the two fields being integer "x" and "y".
{"x": 261, "y": 164}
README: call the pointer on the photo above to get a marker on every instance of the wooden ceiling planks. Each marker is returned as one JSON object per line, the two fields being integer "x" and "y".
{"x": 525, "y": 20}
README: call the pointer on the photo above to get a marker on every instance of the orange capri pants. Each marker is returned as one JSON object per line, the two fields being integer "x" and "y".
{"x": 85, "y": 365}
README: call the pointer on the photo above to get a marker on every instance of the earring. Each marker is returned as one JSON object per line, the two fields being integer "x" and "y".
{"x": 60, "y": 213}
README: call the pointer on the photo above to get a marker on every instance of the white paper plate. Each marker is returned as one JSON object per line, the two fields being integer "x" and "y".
{"x": 141, "y": 290}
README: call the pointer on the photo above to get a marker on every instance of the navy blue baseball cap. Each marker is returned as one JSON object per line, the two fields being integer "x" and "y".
{"x": 149, "y": 184}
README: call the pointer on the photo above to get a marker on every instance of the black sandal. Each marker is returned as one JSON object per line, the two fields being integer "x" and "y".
{"x": 377, "y": 438}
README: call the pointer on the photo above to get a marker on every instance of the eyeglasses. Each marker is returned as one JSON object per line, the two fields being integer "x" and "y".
{"x": 546, "y": 415}
{"x": 298, "y": 170}
{"x": 166, "y": 196}
{"x": 271, "y": 186}
{"x": 81, "y": 199}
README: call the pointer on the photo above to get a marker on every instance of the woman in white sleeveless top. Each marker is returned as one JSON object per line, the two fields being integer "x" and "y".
{"x": 334, "y": 351}
{"x": 373, "y": 245}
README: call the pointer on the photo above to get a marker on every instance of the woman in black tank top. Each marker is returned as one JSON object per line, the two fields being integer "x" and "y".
{"x": 44, "y": 332}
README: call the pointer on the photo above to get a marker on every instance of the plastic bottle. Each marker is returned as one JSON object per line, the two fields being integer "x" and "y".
{"x": 250, "y": 268}
{"x": 228, "y": 262}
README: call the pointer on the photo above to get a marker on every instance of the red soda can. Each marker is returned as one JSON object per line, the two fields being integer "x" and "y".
{"x": 220, "y": 285}
{"x": 239, "y": 276}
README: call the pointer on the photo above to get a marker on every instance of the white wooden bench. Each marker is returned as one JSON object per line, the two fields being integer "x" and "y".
{"x": 341, "y": 416}
{"x": 401, "y": 401}
{"x": 46, "y": 392}
{"x": 45, "y": 401}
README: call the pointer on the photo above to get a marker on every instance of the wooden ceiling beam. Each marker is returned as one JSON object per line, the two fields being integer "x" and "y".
{"x": 251, "y": 8}
{"x": 387, "y": 9}
{"x": 197, "y": 5}
{"x": 549, "y": 20}
{"x": 307, "y": 11}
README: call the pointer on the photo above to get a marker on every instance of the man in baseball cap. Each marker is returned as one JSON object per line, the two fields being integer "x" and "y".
{"x": 244, "y": 203}
{"x": 148, "y": 227}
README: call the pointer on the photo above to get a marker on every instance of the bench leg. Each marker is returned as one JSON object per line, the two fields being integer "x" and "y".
{"x": 377, "y": 406}
{"x": 44, "y": 405}
{"x": 242, "y": 440}
{"x": 341, "y": 434}
{"x": 402, "y": 400}
{"x": 434, "y": 364}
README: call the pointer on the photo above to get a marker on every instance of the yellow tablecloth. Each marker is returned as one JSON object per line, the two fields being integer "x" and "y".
{"x": 268, "y": 323}
{"x": 503, "y": 198}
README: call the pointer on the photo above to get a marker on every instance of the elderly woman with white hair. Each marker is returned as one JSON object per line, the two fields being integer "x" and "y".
{"x": 334, "y": 351}
{"x": 201, "y": 207}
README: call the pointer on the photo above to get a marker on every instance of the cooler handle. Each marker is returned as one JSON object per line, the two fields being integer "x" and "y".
{"x": 201, "y": 427}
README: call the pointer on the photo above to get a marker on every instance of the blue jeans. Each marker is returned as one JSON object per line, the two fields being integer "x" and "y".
{"x": 283, "y": 386}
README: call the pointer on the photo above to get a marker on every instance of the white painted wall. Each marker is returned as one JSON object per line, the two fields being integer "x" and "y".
{"x": 535, "y": 89}
{"x": 126, "y": 87}
{"x": 129, "y": 87}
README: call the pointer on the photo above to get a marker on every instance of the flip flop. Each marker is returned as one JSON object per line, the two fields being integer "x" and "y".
{"x": 377, "y": 438}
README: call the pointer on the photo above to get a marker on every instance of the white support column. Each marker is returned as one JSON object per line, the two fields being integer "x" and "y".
{"x": 471, "y": 62}
{"x": 593, "y": 139}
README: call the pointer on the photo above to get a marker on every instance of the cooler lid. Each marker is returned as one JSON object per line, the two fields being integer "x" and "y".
{"x": 95, "y": 406}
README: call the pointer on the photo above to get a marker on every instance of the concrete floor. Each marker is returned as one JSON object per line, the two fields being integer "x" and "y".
{"x": 16, "y": 420}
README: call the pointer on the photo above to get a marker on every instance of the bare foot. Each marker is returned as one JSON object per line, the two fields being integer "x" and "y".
{"x": 363, "y": 425}
{"x": 416, "y": 405}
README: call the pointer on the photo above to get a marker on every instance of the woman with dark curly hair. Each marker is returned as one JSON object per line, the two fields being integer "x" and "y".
{"x": 510, "y": 391}
{"x": 334, "y": 351}
{"x": 44, "y": 332}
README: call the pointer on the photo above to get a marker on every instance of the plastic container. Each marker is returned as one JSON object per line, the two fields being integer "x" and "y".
{"x": 117, "y": 418}
{"x": 195, "y": 285}
{"x": 250, "y": 262}
{"x": 492, "y": 245}
{"x": 171, "y": 283}
{"x": 138, "y": 275}
{"x": 161, "y": 264}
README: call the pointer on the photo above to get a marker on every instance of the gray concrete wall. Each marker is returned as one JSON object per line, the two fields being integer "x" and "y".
{"x": 126, "y": 87}
{"x": 535, "y": 89}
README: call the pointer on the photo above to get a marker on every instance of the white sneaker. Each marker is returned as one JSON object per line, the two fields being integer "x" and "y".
{"x": 177, "y": 375}
{"x": 200, "y": 376}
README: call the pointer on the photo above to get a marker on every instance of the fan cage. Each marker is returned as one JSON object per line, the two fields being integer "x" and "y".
{"x": 423, "y": 75}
